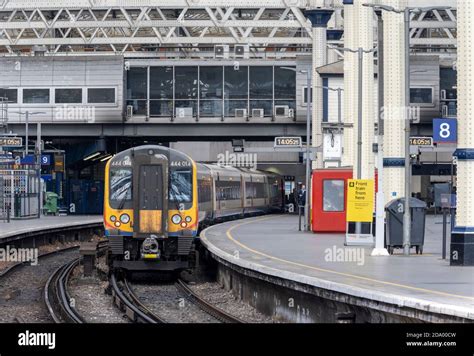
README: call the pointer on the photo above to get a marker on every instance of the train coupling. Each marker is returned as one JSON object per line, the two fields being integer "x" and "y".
{"x": 150, "y": 249}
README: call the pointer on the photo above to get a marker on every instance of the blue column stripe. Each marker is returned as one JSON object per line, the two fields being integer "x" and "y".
{"x": 394, "y": 162}
{"x": 464, "y": 154}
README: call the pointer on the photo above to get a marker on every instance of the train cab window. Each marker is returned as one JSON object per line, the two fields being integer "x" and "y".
{"x": 120, "y": 194}
{"x": 180, "y": 186}
{"x": 333, "y": 195}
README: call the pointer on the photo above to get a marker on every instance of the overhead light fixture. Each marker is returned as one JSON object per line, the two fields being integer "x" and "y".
{"x": 92, "y": 156}
{"x": 106, "y": 158}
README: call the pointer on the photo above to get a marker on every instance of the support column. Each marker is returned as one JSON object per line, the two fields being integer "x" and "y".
{"x": 319, "y": 19}
{"x": 365, "y": 40}
{"x": 462, "y": 238}
{"x": 394, "y": 102}
{"x": 350, "y": 85}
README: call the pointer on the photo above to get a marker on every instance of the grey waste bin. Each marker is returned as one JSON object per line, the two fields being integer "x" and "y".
{"x": 394, "y": 229}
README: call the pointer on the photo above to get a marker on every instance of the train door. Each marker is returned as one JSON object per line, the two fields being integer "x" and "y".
{"x": 151, "y": 189}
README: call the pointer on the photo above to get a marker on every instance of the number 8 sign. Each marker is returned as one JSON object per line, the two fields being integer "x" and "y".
{"x": 445, "y": 130}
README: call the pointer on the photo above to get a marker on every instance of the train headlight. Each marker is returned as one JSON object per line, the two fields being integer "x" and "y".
{"x": 183, "y": 224}
{"x": 113, "y": 218}
{"x": 124, "y": 218}
{"x": 117, "y": 224}
{"x": 176, "y": 219}
{"x": 188, "y": 219}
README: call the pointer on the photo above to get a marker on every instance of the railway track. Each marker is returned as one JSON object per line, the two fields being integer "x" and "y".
{"x": 137, "y": 310}
{"x": 57, "y": 298}
{"x": 208, "y": 308}
{"x": 127, "y": 301}
{"x": 22, "y": 286}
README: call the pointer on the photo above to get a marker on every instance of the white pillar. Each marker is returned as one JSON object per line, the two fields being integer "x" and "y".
{"x": 365, "y": 40}
{"x": 350, "y": 85}
{"x": 319, "y": 59}
{"x": 394, "y": 102}
{"x": 462, "y": 251}
{"x": 319, "y": 18}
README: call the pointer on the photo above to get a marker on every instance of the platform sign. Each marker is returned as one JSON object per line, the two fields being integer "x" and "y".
{"x": 288, "y": 142}
{"x": 11, "y": 141}
{"x": 445, "y": 130}
{"x": 45, "y": 160}
{"x": 360, "y": 200}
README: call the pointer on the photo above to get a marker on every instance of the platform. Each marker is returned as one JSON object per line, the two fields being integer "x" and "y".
{"x": 30, "y": 226}
{"x": 272, "y": 245}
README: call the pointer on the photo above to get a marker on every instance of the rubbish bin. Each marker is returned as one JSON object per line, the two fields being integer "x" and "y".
{"x": 394, "y": 229}
{"x": 51, "y": 205}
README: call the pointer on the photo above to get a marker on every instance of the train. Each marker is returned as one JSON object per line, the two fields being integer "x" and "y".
{"x": 157, "y": 199}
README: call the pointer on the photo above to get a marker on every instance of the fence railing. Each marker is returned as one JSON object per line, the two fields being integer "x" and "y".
{"x": 20, "y": 193}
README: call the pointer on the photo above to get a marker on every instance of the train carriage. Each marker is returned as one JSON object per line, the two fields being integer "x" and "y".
{"x": 157, "y": 199}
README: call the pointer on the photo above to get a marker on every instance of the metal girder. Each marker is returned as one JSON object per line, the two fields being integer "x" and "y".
{"x": 131, "y": 26}
{"x": 107, "y": 24}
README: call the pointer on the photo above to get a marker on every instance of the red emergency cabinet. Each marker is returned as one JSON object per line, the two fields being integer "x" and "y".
{"x": 329, "y": 201}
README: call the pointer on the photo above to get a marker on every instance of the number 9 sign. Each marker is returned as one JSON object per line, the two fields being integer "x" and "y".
{"x": 445, "y": 130}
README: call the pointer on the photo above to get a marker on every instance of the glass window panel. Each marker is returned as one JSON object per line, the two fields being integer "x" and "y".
{"x": 68, "y": 96}
{"x": 184, "y": 107}
{"x": 231, "y": 105}
{"x": 210, "y": 79}
{"x": 101, "y": 95}
{"x": 236, "y": 83}
{"x": 186, "y": 82}
{"x": 266, "y": 105}
{"x": 137, "y": 83}
{"x": 161, "y": 108}
{"x": 421, "y": 95}
{"x": 180, "y": 187}
{"x": 261, "y": 82}
{"x": 36, "y": 96}
{"x": 285, "y": 83}
{"x": 10, "y": 95}
{"x": 210, "y": 108}
{"x": 120, "y": 187}
{"x": 161, "y": 82}
{"x": 139, "y": 106}
{"x": 333, "y": 195}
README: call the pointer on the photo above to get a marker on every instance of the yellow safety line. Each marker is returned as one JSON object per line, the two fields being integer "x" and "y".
{"x": 230, "y": 237}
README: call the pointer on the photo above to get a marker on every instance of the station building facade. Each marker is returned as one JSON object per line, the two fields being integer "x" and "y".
{"x": 90, "y": 104}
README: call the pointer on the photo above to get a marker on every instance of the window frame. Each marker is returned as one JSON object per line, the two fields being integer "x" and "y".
{"x": 431, "y": 104}
{"x": 60, "y": 88}
{"x": 101, "y": 104}
{"x": 17, "y": 95}
{"x": 36, "y": 104}
{"x": 343, "y": 198}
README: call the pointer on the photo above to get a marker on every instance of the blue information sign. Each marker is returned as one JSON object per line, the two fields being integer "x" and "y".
{"x": 445, "y": 130}
{"x": 45, "y": 160}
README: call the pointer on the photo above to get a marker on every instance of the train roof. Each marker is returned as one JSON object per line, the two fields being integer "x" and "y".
{"x": 166, "y": 151}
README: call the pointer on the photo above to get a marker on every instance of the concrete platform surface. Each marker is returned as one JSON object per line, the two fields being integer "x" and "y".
{"x": 19, "y": 227}
{"x": 273, "y": 245}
